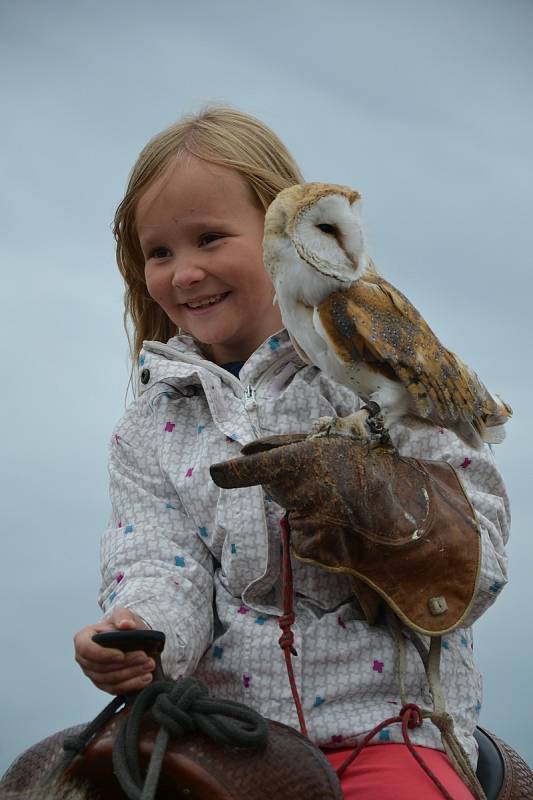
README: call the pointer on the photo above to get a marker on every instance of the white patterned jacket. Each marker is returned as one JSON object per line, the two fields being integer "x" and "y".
{"x": 203, "y": 564}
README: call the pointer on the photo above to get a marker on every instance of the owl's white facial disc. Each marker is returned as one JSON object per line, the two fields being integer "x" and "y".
{"x": 329, "y": 236}
{"x": 298, "y": 281}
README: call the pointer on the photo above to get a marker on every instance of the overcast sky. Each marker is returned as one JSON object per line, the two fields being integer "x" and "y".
{"x": 424, "y": 106}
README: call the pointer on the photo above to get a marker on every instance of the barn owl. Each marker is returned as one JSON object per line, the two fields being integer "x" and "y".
{"x": 360, "y": 330}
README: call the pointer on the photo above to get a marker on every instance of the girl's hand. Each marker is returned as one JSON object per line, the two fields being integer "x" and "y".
{"x": 112, "y": 670}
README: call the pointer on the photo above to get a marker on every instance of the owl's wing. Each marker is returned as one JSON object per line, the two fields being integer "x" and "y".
{"x": 375, "y": 323}
{"x": 298, "y": 320}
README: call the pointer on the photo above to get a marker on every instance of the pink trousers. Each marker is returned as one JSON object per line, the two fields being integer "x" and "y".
{"x": 389, "y": 772}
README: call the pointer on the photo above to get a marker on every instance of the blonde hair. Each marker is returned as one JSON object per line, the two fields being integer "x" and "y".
{"x": 219, "y": 135}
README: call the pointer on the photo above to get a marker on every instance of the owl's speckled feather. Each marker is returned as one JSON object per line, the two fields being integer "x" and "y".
{"x": 344, "y": 317}
{"x": 373, "y": 322}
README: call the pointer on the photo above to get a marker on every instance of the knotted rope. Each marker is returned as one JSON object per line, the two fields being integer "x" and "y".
{"x": 286, "y": 640}
{"x": 410, "y": 716}
{"x": 444, "y": 722}
{"x": 180, "y": 709}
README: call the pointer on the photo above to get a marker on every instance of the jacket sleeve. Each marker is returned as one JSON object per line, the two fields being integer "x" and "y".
{"x": 483, "y": 484}
{"x": 152, "y": 559}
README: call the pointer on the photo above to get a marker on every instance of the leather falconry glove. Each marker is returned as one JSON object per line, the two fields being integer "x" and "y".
{"x": 401, "y": 527}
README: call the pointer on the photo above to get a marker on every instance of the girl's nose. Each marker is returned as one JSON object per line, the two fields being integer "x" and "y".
{"x": 186, "y": 274}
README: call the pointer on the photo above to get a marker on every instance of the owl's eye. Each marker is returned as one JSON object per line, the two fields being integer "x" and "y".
{"x": 325, "y": 228}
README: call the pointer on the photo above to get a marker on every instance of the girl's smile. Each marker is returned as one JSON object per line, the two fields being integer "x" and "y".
{"x": 201, "y": 230}
{"x": 206, "y": 305}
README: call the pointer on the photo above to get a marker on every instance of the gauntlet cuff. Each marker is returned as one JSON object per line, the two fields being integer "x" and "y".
{"x": 428, "y": 577}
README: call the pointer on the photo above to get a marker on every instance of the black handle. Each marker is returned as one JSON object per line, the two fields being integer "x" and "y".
{"x": 150, "y": 642}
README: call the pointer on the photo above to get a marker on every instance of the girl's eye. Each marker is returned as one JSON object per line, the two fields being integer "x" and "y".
{"x": 207, "y": 238}
{"x": 159, "y": 252}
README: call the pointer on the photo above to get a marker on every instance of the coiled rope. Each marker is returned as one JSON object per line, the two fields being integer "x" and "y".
{"x": 180, "y": 708}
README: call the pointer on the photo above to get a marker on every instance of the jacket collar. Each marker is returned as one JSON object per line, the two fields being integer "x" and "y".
{"x": 182, "y": 358}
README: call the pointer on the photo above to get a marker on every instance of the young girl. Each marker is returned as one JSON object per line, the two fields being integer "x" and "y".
{"x": 203, "y": 565}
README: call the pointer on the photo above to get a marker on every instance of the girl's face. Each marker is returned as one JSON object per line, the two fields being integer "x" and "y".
{"x": 201, "y": 233}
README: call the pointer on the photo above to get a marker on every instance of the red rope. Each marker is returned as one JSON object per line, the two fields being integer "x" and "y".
{"x": 410, "y": 715}
{"x": 286, "y": 640}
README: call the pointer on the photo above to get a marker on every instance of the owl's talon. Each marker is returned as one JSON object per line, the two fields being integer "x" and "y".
{"x": 376, "y": 424}
{"x": 373, "y": 409}
{"x": 365, "y": 426}
{"x": 322, "y": 427}
{"x": 354, "y": 426}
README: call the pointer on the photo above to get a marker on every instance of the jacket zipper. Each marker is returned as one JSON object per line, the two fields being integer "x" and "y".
{"x": 249, "y": 393}
{"x": 249, "y": 398}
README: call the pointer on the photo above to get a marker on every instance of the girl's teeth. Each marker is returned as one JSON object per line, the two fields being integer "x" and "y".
{"x": 209, "y": 302}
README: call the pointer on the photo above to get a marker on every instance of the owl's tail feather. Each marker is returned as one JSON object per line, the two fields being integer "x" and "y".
{"x": 494, "y": 435}
{"x": 472, "y": 434}
{"x": 502, "y": 413}
{"x": 493, "y": 428}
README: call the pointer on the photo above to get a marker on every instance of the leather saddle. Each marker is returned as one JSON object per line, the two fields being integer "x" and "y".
{"x": 291, "y": 767}
{"x": 503, "y": 774}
